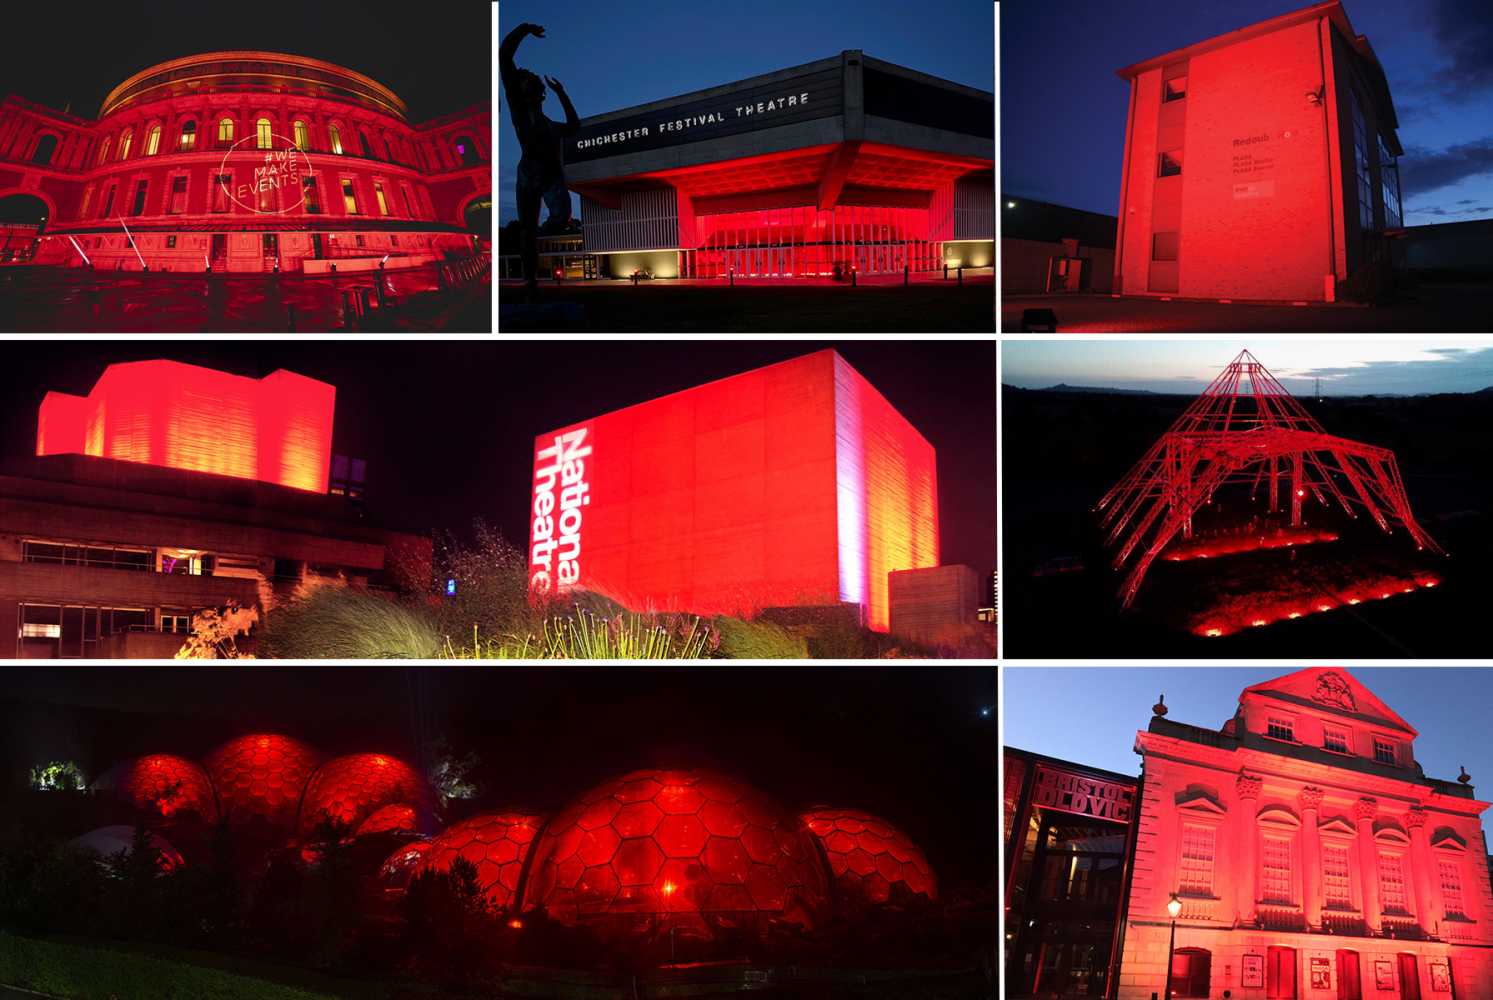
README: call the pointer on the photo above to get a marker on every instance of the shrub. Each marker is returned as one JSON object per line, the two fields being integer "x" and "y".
{"x": 342, "y": 623}
{"x": 759, "y": 640}
{"x": 585, "y": 635}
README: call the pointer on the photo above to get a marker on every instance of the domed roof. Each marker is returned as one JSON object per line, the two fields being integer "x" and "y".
{"x": 111, "y": 840}
{"x": 402, "y": 863}
{"x": 396, "y": 818}
{"x": 352, "y": 788}
{"x": 657, "y": 841}
{"x": 871, "y": 860}
{"x": 169, "y": 786}
{"x": 497, "y": 843}
{"x": 262, "y": 776}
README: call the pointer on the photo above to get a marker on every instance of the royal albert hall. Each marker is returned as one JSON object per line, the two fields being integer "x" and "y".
{"x": 246, "y": 162}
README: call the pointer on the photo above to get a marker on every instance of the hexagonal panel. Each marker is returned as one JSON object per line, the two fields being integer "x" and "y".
{"x": 497, "y": 843}
{"x": 261, "y": 777}
{"x": 350, "y": 788}
{"x": 873, "y": 862}
{"x": 168, "y": 786}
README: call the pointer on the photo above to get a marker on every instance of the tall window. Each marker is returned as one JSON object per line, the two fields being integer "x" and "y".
{"x": 262, "y": 131}
{"x": 378, "y": 193}
{"x": 1389, "y": 178}
{"x": 221, "y": 183}
{"x": 225, "y": 131}
{"x": 1196, "y": 876}
{"x": 363, "y": 141}
{"x": 1361, "y": 166}
{"x": 153, "y": 140}
{"x": 188, "y": 135}
{"x": 311, "y": 202}
{"x": 1280, "y": 728}
{"x": 302, "y": 142}
{"x": 409, "y": 210}
{"x": 103, "y": 151}
{"x": 1170, "y": 163}
{"x": 336, "y": 138}
{"x": 266, "y": 198}
{"x": 1384, "y": 751}
{"x": 1335, "y": 740}
{"x": 45, "y": 147}
{"x": 349, "y": 197}
{"x": 108, "y": 204}
{"x": 87, "y": 197}
{"x": 140, "y": 197}
{"x": 124, "y": 142}
{"x": 1337, "y": 890}
{"x": 1275, "y": 884}
{"x": 466, "y": 149}
{"x": 1392, "y": 883}
{"x": 178, "y": 195}
{"x": 1191, "y": 972}
{"x": 1451, "y": 886}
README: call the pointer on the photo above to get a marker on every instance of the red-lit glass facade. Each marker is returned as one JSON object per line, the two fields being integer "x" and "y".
{"x": 870, "y": 860}
{"x": 261, "y": 776}
{"x": 793, "y": 485}
{"x": 353, "y": 788}
{"x": 277, "y": 429}
{"x": 169, "y": 786}
{"x": 498, "y": 844}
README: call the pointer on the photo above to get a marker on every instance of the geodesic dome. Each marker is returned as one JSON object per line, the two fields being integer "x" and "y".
{"x": 497, "y": 843}
{"x": 398, "y": 818}
{"x": 262, "y": 776}
{"x": 168, "y": 786}
{"x": 870, "y": 860}
{"x": 679, "y": 842}
{"x": 402, "y": 863}
{"x": 110, "y": 840}
{"x": 351, "y": 788}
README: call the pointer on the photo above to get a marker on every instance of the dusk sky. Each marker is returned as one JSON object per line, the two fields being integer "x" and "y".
{"x": 1347, "y": 367}
{"x": 610, "y": 56}
{"x": 1091, "y": 715}
{"x": 1063, "y": 108}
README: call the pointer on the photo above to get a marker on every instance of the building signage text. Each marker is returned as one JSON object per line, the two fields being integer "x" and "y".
{"x": 561, "y": 490}
{"x": 1074, "y": 793}
{"x": 712, "y": 117}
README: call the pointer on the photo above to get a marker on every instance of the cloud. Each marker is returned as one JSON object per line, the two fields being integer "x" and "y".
{"x": 1464, "y": 31}
{"x": 1424, "y": 170}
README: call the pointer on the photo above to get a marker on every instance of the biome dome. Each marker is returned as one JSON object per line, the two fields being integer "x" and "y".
{"x": 402, "y": 863}
{"x": 169, "y": 786}
{"x": 870, "y": 860}
{"x": 107, "y": 841}
{"x": 261, "y": 776}
{"x": 497, "y": 843}
{"x": 351, "y": 788}
{"x": 397, "y": 818}
{"x": 695, "y": 841}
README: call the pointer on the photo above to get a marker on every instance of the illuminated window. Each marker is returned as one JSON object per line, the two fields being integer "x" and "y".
{"x": 1171, "y": 163}
{"x": 46, "y": 146}
{"x": 153, "y": 140}
{"x": 140, "y": 197}
{"x": 108, "y": 203}
{"x": 1335, "y": 740}
{"x": 221, "y": 183}
{"x": 178, "y": 195}
{"x": 225, "y": 131}
{"x": 466, "y": 151}
{"x": 103, "y": 151}
{"x": 1384, "y": 751}
{"x": 1164, "y": 246}
{"x": 308, "y": 192}
{"x": 1191, "y": 972}
{"x": 1280, "y": 728}
{"x": 171, "y": 622}
{"x": 363, "y": 140}
{"x": 336, "y": 138}
{"x": 349, "y": 197}
{"x": 1197, "y": 860}
{"x": 262, "y": 134}
{"x": 87, "y": 197}
{"x": 189, "y": 135}
{"x": 302, "y": 142}
{"x": 1451, "y": 886}
{"x": 1392, "y": 883}
{"x": 266, "y": 197}
{"x": 1337, "y": 890}
{"x": 1275, "y": 870}
{"x": 1174, "y": 89}
{"x": 378, "y": 193}
{"x": 124, "y": 142}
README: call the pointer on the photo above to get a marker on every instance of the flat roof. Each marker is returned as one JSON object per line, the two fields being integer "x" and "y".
{"x": 1331, "y": 9}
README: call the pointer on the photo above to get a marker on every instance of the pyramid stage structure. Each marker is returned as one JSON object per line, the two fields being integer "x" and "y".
{"x": 1246, "y": 428}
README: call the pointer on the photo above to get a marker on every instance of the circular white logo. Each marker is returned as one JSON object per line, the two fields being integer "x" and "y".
{"x": 264, "y": 170}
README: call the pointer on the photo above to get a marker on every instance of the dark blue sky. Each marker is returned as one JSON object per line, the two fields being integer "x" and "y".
{"x": 614, "y": 55}
{"x": 1092, "y": 715}
{"x": 1063, "y": 108}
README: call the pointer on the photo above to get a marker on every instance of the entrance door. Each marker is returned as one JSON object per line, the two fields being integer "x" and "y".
{"x": 1280, "y": 974}
{"x": 220, "y": 252}
{"x": 316, "y": 246}
{"x": 1409, "y": 978}
{"x": 1348, "y": 987}
{"x": 271, "y": 251}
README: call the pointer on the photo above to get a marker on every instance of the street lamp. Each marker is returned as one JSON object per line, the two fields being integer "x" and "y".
{"x": 1174, "y": 907}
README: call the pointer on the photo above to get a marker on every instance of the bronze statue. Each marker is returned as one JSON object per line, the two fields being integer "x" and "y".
{"x": 541, "y": 167}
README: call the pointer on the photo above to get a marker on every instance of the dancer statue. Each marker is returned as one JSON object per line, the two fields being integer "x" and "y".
{"x": 541, "y": 167}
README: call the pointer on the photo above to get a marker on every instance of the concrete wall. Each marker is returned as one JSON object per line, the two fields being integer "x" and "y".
{"x": 1024, "y": 266}
{"x": 926, "y": 603}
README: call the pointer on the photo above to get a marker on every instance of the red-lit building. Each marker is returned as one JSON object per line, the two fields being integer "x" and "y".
{"x": 794, "y": 485}
{"x": 1260, "y": 164}
{"x": 247, "y": 161}
{"x": 847, "y": 162}
{"x": 1308, "y": 853}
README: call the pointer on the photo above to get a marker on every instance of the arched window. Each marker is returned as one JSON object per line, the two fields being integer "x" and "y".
{"x": 124, "y": 142}
{"x": 1191, "y": 970}
{"x": 302, "y": 142}
{"x": 46, "y": 146}
{"x": 367, "y": 153}
{"x": 189, "y": 135}
{"x": 103, "y": 151}
{"x": 262, "y": 133}
{"x": 466, "y": 149}
{"x": 225, "y": 130}
{"x": 153, "y": 140}
{"x": 336, "y": 137}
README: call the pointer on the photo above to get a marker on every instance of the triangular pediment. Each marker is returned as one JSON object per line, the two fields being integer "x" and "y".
{"x": 1200, "y": 800}
{"x": 1335, "y": 691}
{"x": 1339, "y": 825}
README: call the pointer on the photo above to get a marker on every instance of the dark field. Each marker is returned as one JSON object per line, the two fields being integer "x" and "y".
{"x": 665, "y": 307}
{"x": 1064, "y": 450}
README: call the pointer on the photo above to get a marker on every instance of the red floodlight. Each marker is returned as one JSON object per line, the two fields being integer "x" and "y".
{"x": 1246, "y": 428}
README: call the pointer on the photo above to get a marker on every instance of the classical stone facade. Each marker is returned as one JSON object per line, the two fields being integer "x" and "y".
{"x": 247, "y": 161}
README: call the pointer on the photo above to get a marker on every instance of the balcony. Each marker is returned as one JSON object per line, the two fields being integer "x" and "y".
{"x": 47, "y": 583}
{"x": 1402, "y": 926}
{"x": 1280, "y": 917}
{"x": 1349, "y": 922}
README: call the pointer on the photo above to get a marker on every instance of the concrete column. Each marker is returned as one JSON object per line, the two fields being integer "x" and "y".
{"x": 1247, "y": 886}
{"x": 1364, "y": 812}
{"x": 1310, "y": 800}
{"x": 1429, "y": 908}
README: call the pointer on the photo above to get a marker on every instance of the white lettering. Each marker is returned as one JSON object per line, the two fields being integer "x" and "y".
{"x": 555, "y": 544}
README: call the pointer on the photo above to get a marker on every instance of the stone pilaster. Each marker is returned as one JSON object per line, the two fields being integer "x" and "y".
{"x": 1364, "y": 811}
